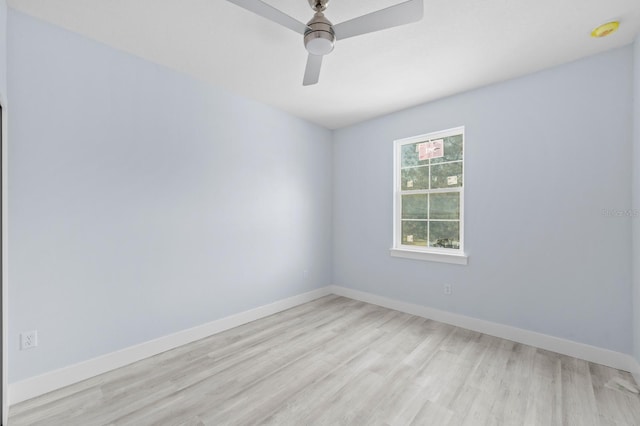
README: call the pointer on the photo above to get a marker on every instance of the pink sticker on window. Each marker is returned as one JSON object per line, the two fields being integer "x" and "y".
{"x": 433, "y": 149}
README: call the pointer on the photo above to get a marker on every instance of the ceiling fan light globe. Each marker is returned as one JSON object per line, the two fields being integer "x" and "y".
{"x": 319, "y": 45}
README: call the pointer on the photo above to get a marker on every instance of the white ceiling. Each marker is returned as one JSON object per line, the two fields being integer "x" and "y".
{"x": 459, "y": 45}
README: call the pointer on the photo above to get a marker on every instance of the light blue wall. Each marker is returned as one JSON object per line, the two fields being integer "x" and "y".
{"x": 636, "y": 199}
{"x": 143, "y": 202}
{"x": 4, "y": 299}
{"x": 3, "y": 51}
{"x": 545, "y": 154}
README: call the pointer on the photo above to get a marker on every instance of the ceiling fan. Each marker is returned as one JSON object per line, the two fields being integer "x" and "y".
{"x": 320, "y": 34}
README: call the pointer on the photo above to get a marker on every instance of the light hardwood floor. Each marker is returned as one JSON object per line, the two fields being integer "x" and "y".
{"x": 336, "y": 361}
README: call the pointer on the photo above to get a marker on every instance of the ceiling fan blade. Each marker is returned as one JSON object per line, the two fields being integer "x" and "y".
{"x": 400, "y": 14}
{"x": 271, "y": 13}
{"x": 312, "y": 72}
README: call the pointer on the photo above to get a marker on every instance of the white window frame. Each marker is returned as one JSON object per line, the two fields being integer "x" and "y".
{"x": 438, "y": 254}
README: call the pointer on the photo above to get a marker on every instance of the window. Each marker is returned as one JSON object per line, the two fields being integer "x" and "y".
{"x": 429, "y": 197}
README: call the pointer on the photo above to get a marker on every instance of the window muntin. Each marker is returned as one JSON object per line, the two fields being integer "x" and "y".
{"x": 429, "y": 192}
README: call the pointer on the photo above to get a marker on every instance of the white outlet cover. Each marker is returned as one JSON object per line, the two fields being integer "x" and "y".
{"x": 29, "y": 339}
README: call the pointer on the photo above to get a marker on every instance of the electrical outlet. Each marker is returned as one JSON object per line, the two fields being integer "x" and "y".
{"x": 447, "y": 289}
{"x": 29, "y": 339}
{"x": 305, "y": 274}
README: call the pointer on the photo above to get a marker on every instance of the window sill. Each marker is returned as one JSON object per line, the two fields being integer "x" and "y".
{"x": 458, "y": 259}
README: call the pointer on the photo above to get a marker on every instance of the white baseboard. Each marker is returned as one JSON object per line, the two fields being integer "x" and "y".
{"x": 39, "y": 385}
{"x": 544, "y": 341}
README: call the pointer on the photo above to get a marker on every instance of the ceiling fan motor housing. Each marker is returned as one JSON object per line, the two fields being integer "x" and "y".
{"x": 319, "y": 38}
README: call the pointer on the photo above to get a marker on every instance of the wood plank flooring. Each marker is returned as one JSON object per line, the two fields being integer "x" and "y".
{"x": 337, "y": 361}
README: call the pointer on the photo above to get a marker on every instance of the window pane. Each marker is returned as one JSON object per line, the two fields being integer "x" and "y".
{"x": 414, "y": 233}
{"x": 452, "y": 150}
{"x": 414, "y": 206}
{"x": 444, "y": 206}
{"x": 446, "y": 175}
{"x": 410, "y": 155}
{"x": 444, "y": 234}
{"x": 415, "y": 178}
